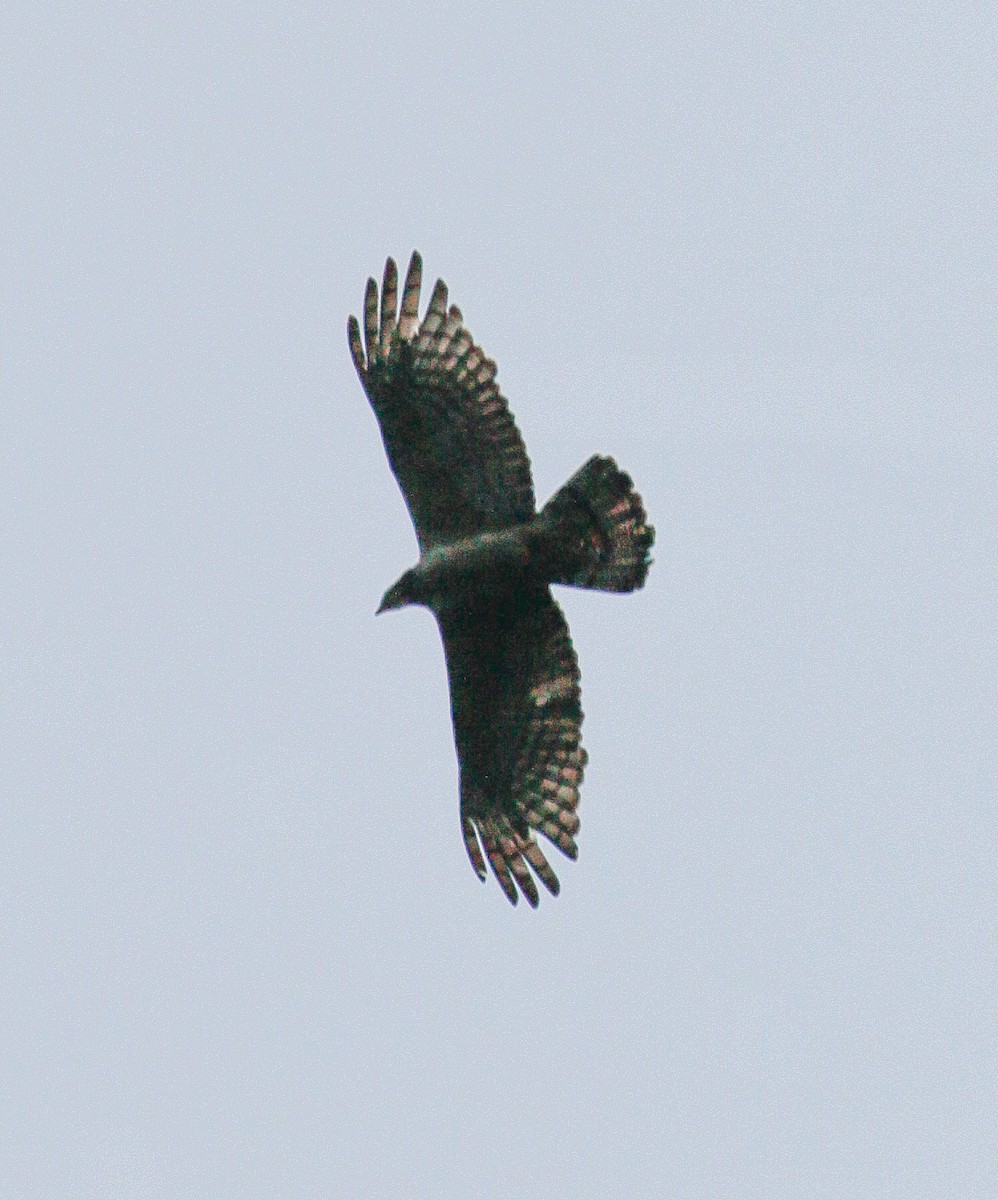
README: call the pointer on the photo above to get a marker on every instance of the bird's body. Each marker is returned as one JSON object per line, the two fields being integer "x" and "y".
{"x": 471, "y": 568}
{"x": 487, "y": 558}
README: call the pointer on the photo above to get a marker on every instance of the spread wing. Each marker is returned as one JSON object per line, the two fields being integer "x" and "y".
{"x": 448, "y": 432}
{"x": 515, "y": 700}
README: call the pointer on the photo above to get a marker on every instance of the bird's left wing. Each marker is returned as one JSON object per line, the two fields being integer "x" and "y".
{"x": 515, "y": 700}
{"x": 448, "y": 432}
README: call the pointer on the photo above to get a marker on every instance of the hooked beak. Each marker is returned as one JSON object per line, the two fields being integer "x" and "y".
{"x": 393, "y": 598}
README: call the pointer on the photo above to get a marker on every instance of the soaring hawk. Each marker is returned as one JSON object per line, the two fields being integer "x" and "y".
{"x": 487, "y": 558}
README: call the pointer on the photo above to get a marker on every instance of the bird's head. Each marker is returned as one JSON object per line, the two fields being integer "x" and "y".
{"x": 399, "y": 594}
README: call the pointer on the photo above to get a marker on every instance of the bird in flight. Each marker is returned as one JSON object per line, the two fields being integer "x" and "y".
{"x": 487, "y": 560}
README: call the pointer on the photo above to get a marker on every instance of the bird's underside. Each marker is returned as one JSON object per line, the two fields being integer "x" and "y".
{"x": 486, "y": 561}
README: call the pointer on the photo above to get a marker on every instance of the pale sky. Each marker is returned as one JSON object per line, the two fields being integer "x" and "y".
{"x": 750, "y": 251}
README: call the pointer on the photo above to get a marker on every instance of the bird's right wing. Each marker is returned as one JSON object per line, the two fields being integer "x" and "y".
{"x": 448, "y": 432}
{"x": 515, "y": 700}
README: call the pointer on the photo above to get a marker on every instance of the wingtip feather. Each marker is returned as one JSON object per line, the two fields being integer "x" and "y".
{"x": 389, "y": 300}
{"x": 371, "y": 320}
{"x": 409, "y": 317}
{"x": 497, "y": 860}
{"x": 471, "y": 844}
{"x": 356, "y": 345}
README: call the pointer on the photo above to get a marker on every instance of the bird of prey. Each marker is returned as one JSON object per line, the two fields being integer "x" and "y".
{"x": 487, "y": 559}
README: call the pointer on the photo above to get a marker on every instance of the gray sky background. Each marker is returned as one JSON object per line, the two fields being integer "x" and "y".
{"x": 747, "y": 249}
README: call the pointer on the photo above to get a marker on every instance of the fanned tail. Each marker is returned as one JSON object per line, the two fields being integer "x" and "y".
{"x": 599, "y": 536}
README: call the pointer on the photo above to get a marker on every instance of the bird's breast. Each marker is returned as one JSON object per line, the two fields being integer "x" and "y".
{"x": 482, "y": 563}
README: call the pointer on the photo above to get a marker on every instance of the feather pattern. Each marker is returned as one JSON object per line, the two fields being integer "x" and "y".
{"x": 486, "y": 562}
{"x": 516, "y": 703}
{"x": 447, "y": 429}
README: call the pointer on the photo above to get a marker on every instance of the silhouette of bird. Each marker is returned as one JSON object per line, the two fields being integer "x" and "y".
{"x": 487, "y": 560}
